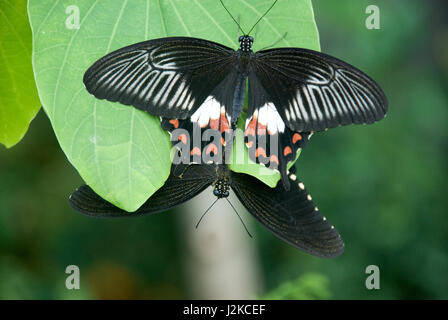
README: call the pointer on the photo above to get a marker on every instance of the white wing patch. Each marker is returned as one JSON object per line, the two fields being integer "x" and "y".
{"x": 267, "y": 117}
{"x": 209, "y": 110}
{"x": 211, "y": 113}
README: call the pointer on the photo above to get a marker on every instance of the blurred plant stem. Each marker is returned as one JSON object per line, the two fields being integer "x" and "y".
{"x": 220, "y": 258}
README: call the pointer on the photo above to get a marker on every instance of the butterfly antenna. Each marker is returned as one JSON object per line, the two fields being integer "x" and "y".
{"x": 263, "y": 16}
{"x": 276, "y": 42}
{"x": 233, "y": 17}
{"x": 239, "y": 217}
{"x": 197, "y": 225}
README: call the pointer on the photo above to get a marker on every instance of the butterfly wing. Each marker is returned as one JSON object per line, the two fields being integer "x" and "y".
{"x": 184, "y": 183}
{"x": 207, "y": 131}
{"x": 168, "y": 77}
{"x": 290, "y": 215}
{"x": 313, "y": 91}
{"x": 269, "y": 140}
{"x": 293, "y": 92}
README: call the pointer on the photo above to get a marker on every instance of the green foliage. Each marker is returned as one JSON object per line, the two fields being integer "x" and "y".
{"x": 121, "y": 152}
{"x": 309, "y": 286}
{"x": 19, "y": 102}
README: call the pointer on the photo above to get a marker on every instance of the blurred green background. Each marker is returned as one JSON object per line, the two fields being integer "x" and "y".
{"x": 383, "y": 186}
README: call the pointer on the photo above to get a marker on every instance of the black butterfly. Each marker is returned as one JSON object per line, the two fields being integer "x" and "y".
{"x": 290, "y": 215}
{"x": 192, "y": 82}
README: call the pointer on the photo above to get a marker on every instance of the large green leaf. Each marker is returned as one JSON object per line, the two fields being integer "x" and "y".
{"x": 19, "y": 101}
{"x": 121, "y": 152}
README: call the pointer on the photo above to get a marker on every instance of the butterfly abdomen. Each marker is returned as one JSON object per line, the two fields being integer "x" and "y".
{"x": 238, "y": 98}
{"x": 242, "y": 70}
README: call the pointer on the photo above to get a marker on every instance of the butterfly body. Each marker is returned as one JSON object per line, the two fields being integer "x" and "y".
{"x": 221, "y": 185}
{"x": 243, "y": 57}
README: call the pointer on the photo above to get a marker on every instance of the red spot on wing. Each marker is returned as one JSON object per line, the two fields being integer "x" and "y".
{"x": 183, "y": 138}
{"x": 214, "y": 124}
{"x": 250, "y": 129}
{"x": 274, "y": 158}
{"x": 224, "y": 123}
{"x": 261, "y": 129}
{"x": 287, "y": 151}
{"x": 211, "y": 148}
{"x": 175, "y": 123}
{"x": 296, "y": 137}
{"x": 195, "y": 151}
{"x": 249, "y": 144}
{"x": 260, "y": 152}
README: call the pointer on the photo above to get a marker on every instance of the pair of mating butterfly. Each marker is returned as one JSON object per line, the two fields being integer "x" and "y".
{"x": 193, "y": 83}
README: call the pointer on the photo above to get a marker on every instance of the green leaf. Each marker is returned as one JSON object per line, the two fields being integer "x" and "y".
{"x": 121, "y": 152}
{"x": 308, "y": 286}
{"x": 19, "y": 101}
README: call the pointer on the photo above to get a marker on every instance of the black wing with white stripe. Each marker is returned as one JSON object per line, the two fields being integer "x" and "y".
{"x": 184, "y": 183}
{"x": 290, "y": 215}
{"x": 313, "y": 91}
{"x": 168, "y": 77}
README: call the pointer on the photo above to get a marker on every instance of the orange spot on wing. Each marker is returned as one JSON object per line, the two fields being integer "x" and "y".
{"x": 261, "y": 129}
{"x": 224, "y": 123}
{"x": 250, "y": 130}
{"x": 175, "y": 123}
{"x": 287, "y": 151}
{"x": 260, "y": 152}
{"x": 195, "y": 151}
{"x": 249, "y": 144}
{"x": 211, "y": 148}
{"x": 274, "y": 158}
{"x": 183, "y": 138}
{"x": 214, "y": 124}
{"x": 223, "y": 142}
{"x": 296, "y": 137}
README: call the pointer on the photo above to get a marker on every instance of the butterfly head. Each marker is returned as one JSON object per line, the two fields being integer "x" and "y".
{"x": 221, "y": 188}
{"x": 246, "y": 43}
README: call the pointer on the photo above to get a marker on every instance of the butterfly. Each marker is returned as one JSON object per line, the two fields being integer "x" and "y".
{"x": 290, "y": 215}
{"x": 195, "y": 83}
